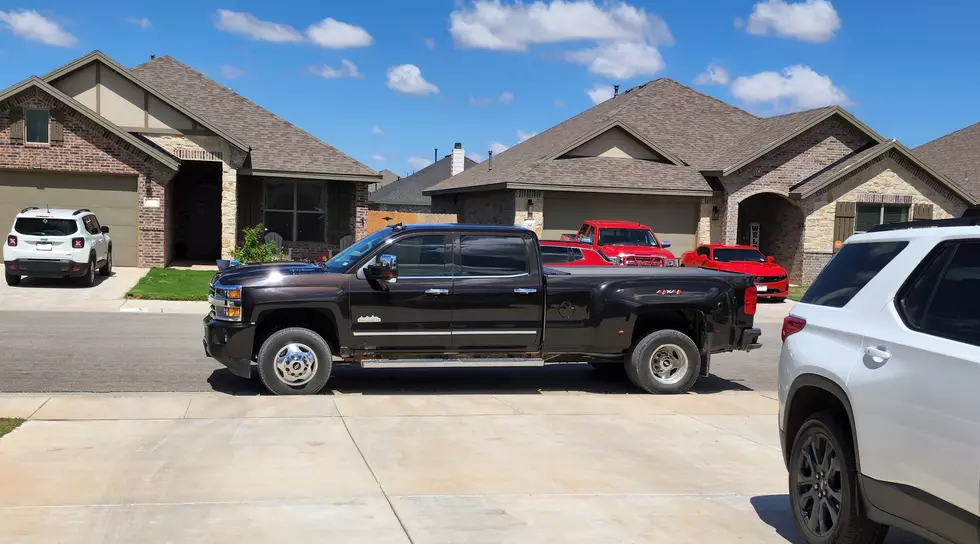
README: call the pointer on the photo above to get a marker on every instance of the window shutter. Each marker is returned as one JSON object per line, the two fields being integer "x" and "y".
{"x": 56, "y": 132}
{"x": 922, "y": 211}
{"x": 17, "y": 126}
{"x": 844, "y": 222}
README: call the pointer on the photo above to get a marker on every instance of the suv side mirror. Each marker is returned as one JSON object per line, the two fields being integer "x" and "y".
{"x": 769, "y": 259}
{"x": 105, "y": 229}
{"x": 386, "y": 269}
{"x": 664, "y": 244}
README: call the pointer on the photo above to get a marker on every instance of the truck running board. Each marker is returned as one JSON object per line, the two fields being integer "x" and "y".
{"x": 449, "y": 363}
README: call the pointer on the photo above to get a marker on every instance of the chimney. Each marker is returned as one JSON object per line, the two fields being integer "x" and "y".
{"x": 435, "y": 155}
{"x": 615, "y": 90}
{"x": 458, "y": 164}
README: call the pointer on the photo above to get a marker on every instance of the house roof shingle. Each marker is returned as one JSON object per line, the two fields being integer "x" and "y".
{"x": 957, "y": 155}
{"x": 408, "y": 190}
{"x": 277, "y": 145}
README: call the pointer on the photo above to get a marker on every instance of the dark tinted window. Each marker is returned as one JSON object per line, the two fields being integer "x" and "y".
{"x": 95, "y": 223}
{"x": 46, "y": 227}
{"x": 574, "y": 254}
{"x": 89, "y": 222}
{"x": 420, "y": 255}
{"x": 849, "y": 271}
{"x": 916, "y": 299}
{"x": 954, "y": 311}
{"x": 493, "y": 255}
{"x": 554, "y": 254}
{"x": 738, "y": 255}
{"x": 626, "y": 237}
{"x": 703, "y": 251}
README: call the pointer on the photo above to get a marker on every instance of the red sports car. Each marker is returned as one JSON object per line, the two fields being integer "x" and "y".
{"x": 771, "y": 280}
{"x": 570, "y": 254}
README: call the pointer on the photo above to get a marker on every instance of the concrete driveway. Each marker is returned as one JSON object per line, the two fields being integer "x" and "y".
{"x": 425, "y": 469}
{"x": 42, "y": 294}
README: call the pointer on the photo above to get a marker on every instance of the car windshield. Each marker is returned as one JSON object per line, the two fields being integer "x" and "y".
{"x": 626, "y": 237}
{"x": 731, "y": 255}
{"x": 342, "y": 261}
{"x": 40, "y": 226}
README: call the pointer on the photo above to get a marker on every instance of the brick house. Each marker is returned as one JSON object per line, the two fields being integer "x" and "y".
{"x": 173, "y": 162}
{"x": 698, "y": 170}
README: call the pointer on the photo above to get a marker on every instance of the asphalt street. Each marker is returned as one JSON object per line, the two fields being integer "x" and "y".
{"x": 126, "y": 352}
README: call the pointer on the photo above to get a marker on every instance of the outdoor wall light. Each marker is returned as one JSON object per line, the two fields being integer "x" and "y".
{"x": 715, "y": 213}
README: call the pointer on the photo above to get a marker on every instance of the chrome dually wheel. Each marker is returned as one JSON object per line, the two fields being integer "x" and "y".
{"x": 668, "y": 364}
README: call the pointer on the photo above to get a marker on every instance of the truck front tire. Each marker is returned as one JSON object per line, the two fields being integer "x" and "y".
{"x": 295, "y": 361}
{"x": 664, "y": 361}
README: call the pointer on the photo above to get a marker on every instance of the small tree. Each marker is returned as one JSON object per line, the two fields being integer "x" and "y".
{"x": 255, "y": 249}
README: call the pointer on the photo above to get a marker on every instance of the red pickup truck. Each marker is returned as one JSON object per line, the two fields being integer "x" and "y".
{"x": 624, "y": 242}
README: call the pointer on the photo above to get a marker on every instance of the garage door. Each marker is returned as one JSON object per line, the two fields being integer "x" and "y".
{"x": 112, "y": 198}
{"x": 673, "y": 218}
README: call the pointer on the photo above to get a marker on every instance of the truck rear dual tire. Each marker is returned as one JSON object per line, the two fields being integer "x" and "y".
{"x": 664, "y": 362}
{"x": 295, "y": 361}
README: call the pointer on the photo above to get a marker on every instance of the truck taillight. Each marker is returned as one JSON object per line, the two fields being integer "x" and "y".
{"x": 751, "y": 300}
{"x": 78, "y": 243}
{"x": 12, "y": 241}
{"x": 791, "y": 326}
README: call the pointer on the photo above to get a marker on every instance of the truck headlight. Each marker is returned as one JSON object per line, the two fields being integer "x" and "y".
{"x": 230, "y": 293}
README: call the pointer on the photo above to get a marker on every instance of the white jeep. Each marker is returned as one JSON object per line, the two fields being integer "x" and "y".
{"x": 57, "y": 244}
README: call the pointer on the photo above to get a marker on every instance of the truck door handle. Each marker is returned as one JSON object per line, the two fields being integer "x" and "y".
{"x": 437, "y": 291}
{"x": 523, "y": 291}
{"x": 876, "y": 353}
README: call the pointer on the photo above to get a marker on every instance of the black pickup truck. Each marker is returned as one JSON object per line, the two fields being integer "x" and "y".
{"x": 435, "y": 294}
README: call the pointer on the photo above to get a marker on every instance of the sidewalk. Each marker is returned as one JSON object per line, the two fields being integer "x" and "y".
{"x": 379, "y": 469}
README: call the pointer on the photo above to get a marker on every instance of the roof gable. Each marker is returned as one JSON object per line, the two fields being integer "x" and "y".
{"x": 957, "y": 155}
{"x": 615, "y": 129}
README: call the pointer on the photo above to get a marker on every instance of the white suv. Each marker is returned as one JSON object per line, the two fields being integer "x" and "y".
{"x": 879, "y": 387}
{"x": 57, "y": 244}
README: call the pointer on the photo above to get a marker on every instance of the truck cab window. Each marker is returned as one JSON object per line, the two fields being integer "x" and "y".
{"x": 493, "y": 255}
{"x": 421, "y": 256}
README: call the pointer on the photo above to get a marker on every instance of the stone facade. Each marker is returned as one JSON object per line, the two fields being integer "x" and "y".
{"x": 529, "y": 210}
{"x": 89, "y": 148}
{"x": 359, "y": 217}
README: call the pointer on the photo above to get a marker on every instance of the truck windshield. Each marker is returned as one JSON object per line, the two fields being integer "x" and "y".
{"x": 342, "y": 261}
{"x": 730, "y": 255}
{"x": 627, "y": 237}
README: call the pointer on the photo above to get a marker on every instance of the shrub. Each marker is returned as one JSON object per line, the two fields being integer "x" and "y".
{"x": 255, "y": 249}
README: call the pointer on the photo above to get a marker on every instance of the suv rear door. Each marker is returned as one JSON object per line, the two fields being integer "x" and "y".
{"x": 498, "y": 299}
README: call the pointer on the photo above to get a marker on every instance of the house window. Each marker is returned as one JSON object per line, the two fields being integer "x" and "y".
{"x": 297, "y": 211}
{"x": 872, "y": 215}
{"x": 37, "y": 126}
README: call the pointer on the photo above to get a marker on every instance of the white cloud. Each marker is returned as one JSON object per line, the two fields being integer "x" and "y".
{"x": 475, "y": 157}
{"x": 377, "y": 157}
{"x": 250, "y": 26}
{"x": 141, "y": 22}
{"x": 407, "y": 78}
{"x": 600, "y": 93}
{"x": 714, "y": 75}
{"x": 521, "y": 135}
{"x": 811, "y": 20}
{"x": 506, "y": 97}
{"x": 559, "y": 103}
{"x": 480, "y": 101}
{"x": 430, "y": 43}
{"x": 347, "y": 69}
{"x": 498, "y": 147}
{"x": 231, "y": 72}
{"x": 376, "y": 130}
{"x": 620, "y": 60}
{"x": 418, "y": 163}
{"x": 334, "y": 34}
{"x": 796, "y": 88}
{"x": 33, "y": 26}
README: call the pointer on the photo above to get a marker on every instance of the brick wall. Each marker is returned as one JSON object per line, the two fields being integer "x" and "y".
{"x": 360, "y": 211}
{"x": 781, "y": 225}
{"x": 89, "y": 148}
{"x": 487, "y": 208}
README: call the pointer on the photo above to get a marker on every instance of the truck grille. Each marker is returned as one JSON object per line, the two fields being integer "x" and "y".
{"x": 643, "y": 260}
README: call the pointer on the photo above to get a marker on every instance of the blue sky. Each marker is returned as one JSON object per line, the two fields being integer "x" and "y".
{"x": 488, "y": 73}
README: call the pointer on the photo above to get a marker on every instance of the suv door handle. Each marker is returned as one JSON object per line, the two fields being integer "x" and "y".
{"x": 876, "y": 353}
{"x": 437, "y": 291}
{"x": 524, "y": 291}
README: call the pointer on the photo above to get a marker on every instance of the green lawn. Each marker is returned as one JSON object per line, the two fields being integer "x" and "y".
{"x": 8, "y": 424}
{"x": 170, "y": 284}
{"x": 796, "y": 292}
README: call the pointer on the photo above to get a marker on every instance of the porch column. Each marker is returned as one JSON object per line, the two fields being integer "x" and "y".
{"x": 730, "y": 218}
{"x": 229, "y": 209}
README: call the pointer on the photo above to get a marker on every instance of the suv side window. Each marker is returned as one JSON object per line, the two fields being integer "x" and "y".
{"x": 947, "y": 308}
{"x": 95, "y": 223}
{"x": 849, "y": 271}
{"x": 913, "y": 301}
{"x": 421, "y": 256}
{"x": 483, "y": 255}
{"x": 89, "y": 226}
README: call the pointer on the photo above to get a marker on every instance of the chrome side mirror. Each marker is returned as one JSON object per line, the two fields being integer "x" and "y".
{"x": 386, "y": 269}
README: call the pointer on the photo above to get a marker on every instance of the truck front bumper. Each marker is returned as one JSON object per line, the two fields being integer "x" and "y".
{"x": 230, "y": 344}
{"x": 749, "y": 340}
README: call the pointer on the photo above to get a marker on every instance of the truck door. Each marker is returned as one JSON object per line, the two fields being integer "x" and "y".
{"x": 498, "y": 298}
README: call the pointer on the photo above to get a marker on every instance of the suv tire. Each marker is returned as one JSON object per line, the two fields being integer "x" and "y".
{"x": 13, "y": 280}
{"x": 822, "y": 476}
{"x": 88, "y": 280}
{"x": 677, "y": 361}
{"x": 304, "y": 362}
{"x": 106, "y": 269}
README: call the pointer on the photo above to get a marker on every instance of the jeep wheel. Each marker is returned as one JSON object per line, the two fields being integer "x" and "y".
{"x": 12, "y": 279}
{"x": 664, "y": 361}
{"x": 295, "y": 361}
{"x": 106, "y": 269}
{"x": 88, "y": 280}
{"x": 823, "y": 489}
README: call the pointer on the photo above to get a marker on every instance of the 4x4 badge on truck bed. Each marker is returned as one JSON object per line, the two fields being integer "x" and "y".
{"x": 669, "y": 292}
{"x": 369, "y": 319}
